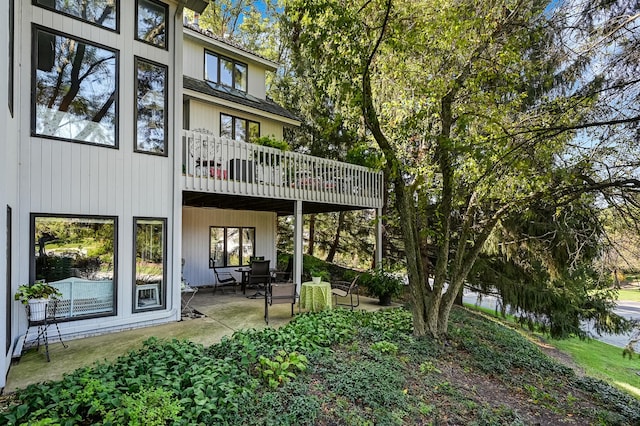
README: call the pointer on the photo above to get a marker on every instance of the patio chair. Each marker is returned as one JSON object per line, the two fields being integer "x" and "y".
{"x": 346, "y": 289}
{"x": 279, "y": 293}
{"x": 286, "y": 275}
{"x": 223, "y": 278}
{"x": 260, "y": 276}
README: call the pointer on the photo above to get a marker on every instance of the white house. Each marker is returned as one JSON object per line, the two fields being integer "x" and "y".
{"x": 127, "y": 148}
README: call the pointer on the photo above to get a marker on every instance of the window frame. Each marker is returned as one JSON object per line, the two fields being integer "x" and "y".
{"x": 234, "y": 62}
{"x": 9, "y": 279}
{"x": 233, "y": 126}
{"x": 34, "y": 64}
{"x": 243, "y": 262}
{"x": 166, "y": 25}
{"x": 163, "y": 288}
{"x": 165, "y": 151}
{"x": 86, "y": 21}
{"x": 32, "y": 258}
{"x": 10, "y": 75}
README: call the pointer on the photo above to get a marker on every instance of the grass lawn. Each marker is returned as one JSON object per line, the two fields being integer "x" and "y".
{"x": 630, "y": 295}
{"x": 598, "y": 359}
{"x": 605, "y": 362}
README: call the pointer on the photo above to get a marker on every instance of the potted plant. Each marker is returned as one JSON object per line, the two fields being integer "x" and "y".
{"x": 319, "y": 274}
{"x": 36, "y": 295}
{"x": 384, "y": 285}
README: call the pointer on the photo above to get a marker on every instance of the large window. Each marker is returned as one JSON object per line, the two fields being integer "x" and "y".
{"x": 231, "y": 246}
{"x": 238, "y": 128}
{"x": 77, "y": 255}
{"x": 151, "y": 107}
{"x": 150, "y": 264}
{"x": 74, "y": 89}
{"x": 103, "y": 13}
{"x": 151, "y": 23}
{"x": 225, "y": 71}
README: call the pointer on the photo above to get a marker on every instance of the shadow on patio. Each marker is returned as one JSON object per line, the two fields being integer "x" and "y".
{"x": 223, "y": 314}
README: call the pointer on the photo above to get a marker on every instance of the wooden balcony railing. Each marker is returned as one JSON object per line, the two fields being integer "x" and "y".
{"x": 220, "y": 165}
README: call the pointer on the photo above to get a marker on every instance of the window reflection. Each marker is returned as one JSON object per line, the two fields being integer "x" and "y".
{"x": 150, "y": 263}
{"x": 151, "y": 23}
{"x": 211, "y": 68}
{"x": 240, "y": 77}
{"x": 239, "y": 129}
{"x": 225, "y": 71}
{"x": 99, "y": 12}
{"x": 231, "y": 246}
{"x": 151, "y": 122}
{"x": 75, "y": 93}
{"x": 77, "y": 256}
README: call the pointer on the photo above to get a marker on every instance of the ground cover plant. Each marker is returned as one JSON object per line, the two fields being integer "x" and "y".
{"x": 332, "y": 367}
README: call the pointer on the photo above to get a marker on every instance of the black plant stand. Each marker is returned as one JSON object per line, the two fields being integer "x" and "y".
{"x": 42, "y": 327}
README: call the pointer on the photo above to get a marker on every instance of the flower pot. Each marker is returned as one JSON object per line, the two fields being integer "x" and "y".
{"x": 385, "y": 300}
{"x": 37, "y": 309}
{"x": 316, "y": 280}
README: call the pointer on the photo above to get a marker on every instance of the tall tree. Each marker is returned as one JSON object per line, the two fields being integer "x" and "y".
{"x": 479, "y": 109}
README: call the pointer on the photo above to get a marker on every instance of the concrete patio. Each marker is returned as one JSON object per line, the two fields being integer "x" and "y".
{"x": 224, "y": 313}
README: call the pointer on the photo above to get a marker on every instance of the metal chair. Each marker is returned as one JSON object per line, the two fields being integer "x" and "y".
{"x": 223, "y": 278}
{"x": 260, "y": 276}
{"x": 344, "y": 289}
{"x": 286, "y": 275}
{"x": 279, "y": 293}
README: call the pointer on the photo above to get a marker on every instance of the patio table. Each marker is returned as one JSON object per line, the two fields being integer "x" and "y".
{"x": 315, "y": 296}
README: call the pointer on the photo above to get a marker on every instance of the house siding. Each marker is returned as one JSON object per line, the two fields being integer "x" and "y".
{"x": 194, "y": 66}
{"x": 8, "y": 197}
{"x": 203, "y": 115}
{"x": 70, "y": 178}
{"x": 195, "y": 238}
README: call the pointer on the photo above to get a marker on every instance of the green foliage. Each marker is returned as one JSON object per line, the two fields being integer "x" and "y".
{"x": 279, "y": 370}
{"x": 385, "y": 347}
{"x": 360, "y": 368}
{"x": 272, "y": 142}
{"x": 38, "y": 290}
{"x": 380, "y": 283}
{"x": 153, "y": 407}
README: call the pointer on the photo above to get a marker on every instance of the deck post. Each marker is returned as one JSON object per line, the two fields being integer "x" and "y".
{"x": 378, "y": 258}
{"x": 297, "y": 244}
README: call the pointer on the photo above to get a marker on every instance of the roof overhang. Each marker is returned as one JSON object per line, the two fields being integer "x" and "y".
{"x": 197, "y": 6}
{"x": 221, "y": 46}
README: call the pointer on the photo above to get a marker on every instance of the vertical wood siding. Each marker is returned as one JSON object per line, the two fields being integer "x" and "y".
{"x": 195, "y": 238}
{"x": 59, "y": 177}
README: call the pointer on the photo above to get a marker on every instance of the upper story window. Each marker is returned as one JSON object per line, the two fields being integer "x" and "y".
{"x": 103, "y": 13}
{"x": 225, "y": 71}
{"x": 74, "y": 89}
{"x": 151, "y": 22}
{"x": 151, "y": 107}
{"x": 238, "y": 128}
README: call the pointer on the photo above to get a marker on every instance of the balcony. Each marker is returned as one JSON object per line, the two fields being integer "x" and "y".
{"x": 218, "y": 165}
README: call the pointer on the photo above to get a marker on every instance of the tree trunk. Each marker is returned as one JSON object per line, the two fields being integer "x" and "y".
{"x": 336, "y": 239}
{"x": 312, "y": 234}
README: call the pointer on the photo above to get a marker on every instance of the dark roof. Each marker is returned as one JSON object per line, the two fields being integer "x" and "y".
{"x": 236, "y": 96}
{"x": 208, "y": 33}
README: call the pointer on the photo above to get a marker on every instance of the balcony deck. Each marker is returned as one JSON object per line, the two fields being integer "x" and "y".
{"x": 216, "y": 165}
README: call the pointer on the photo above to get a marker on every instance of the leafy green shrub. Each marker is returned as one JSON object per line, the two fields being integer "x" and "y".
{"x": 385, "y": 347}
{"x": 279, "y": 369}
{"x": 149, "y": 407}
